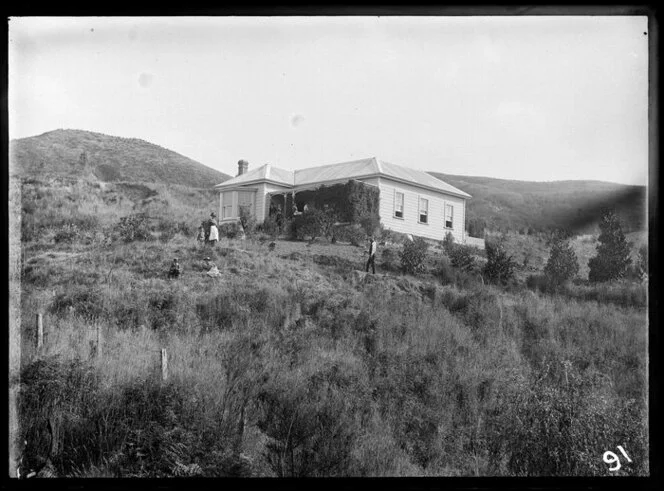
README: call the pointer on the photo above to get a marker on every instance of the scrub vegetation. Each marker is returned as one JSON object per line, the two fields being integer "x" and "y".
{"x": 293, "y": 363}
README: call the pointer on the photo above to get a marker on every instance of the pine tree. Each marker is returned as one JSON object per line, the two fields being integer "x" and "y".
{"x": 562, "y": 265}
{"x": 613, "y": 254}
{"x": 499, "y": 267}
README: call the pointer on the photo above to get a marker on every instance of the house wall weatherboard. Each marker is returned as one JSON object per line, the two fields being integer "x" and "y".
{"x": 409, "y": 224}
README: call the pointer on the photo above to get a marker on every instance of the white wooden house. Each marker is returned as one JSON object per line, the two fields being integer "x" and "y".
{"x": 411, "y": 201}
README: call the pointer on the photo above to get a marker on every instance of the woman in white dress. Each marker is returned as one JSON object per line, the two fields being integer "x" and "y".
{"x": 214, "y": 231}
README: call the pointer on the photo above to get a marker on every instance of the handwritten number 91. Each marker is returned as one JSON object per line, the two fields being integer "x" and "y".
{"x": 611, "y": 458}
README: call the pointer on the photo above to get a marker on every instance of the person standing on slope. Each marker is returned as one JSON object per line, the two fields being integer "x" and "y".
{"x": 372, "y": 255}
{"x": 214, "y": 232}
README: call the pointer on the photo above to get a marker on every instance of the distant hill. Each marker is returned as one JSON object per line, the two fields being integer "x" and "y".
{"x": 501, "y": 204}
{"x": 96, "y": 156}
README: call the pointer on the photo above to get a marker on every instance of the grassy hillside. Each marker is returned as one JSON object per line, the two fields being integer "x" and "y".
{"x": 294, "y": 364}
{"x": 95, "y": 156}
{"x": 508, "y": 205}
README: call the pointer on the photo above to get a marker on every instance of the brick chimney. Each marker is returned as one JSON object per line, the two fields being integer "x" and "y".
{"x": 242, "y": 167}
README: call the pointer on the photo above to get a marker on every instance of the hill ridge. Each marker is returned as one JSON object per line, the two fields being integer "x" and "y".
{"x": 108, "y": 158}
{"x": 536, "y": 206}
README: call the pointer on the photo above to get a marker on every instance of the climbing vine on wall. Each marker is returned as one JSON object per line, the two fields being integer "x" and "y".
{"x": 353, "y": 201}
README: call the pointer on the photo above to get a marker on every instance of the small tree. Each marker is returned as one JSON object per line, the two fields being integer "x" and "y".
{"x": 247, "y": 220}
{"x": 133, "y": 227}
{"x": 462, "y": 258}
{"x": 413, "y": 255}
{"x": 448, "y": 243}
{"x": 500, "y": 266}
{"x": 642, "y": 264}
{"x": 315, "y": 223}
{"x": 613, "y": 254}
{"x": 562, "y": 265}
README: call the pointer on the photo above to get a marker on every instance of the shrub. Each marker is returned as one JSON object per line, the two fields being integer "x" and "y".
{"x": 628, "y": 294}
{"x": 310, "y": 425}
{"x": 500, "y": 266}
{"x": 370, "y": 223}
{"x": 562, "y": 427}
{"x": 462, "y": 257}
{"x": 64, "y": 393}
{"x": 388, "y": 257}
{"x": 562, "y": 265}
{"x": 352, "y": 234}
{"x": 168, "y": 230}
{"x": 413, "y": 255}
{"x": 133, "y": 227}
{"x": 83, "y": 301}
{"x": 230, "y": 230}
{"x": 353, "y": 202}
{"x": 445, "y": 271}
{"x": 476, "y": 227}
{"x": 448, "y": 243}
{"x": 613, "y": 255}
{"x": 314, "y": 223}
{"x": 69, "y": 233}
{"x": 642, "y": 261}
{"x": 537, "y": 282}
{"x": 269, "y": 227}
{"x": 247, "y": 220}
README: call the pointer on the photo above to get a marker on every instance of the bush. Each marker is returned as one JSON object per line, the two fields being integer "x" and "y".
{"x": 352, "y": 234}
{"x": 413, "y": 255}
{"x": 82, "y": 301}
{"x": 133, "y": 227}
{"x": 388, "y": 257}
{"x": 269, "y": 227}
{"x": 310, "y": 425}
{"x": 462, "y": 257}
{"x": 247, "y": 220}
{"x": 445, "y": 271}
{"x": 499, "y": 267}
{"x": 69, "y": 233}
{"x": 628, "y": 294}
{"x": 231, "y": 230}
{"x": 448, "y": 243}
{"x": 314, "y": 223}
{"x": 562, "y": 265}
{"x": 562, "y": 427}
{"x": 370, "y": 224}
{"x": 537, "y": 282}
{"x": 613, "y": 255}
{"x": 353, "y": 202}
{"x": 642, "y": 262}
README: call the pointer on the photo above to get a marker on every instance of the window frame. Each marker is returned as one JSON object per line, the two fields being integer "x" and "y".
{"x": 419, "y": 210}
{"x": 451, "y": 207}
{"x": 403, "y": 204}
{"x": 251, "y": 204}
{"x": 228, "y": 206}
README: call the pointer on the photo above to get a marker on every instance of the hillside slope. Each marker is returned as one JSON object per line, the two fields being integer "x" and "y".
{"x": 502, "y": 204}
{"x": 96, "y": 156}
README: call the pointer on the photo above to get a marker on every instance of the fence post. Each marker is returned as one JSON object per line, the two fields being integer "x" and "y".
{"x": 99, "y": 341}
{"x": 164, "y": 364}
{"x": 40, "y": 332}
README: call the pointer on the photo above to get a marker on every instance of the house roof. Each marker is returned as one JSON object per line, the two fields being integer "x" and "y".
{"x": 265, "y": 172}
{"x": 342, "y": 171}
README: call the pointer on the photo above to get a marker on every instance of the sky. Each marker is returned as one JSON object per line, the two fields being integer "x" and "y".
{"x": 531, "y": 98}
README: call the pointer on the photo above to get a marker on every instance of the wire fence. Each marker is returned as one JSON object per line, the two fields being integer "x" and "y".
{"x": 98, "y": 345}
